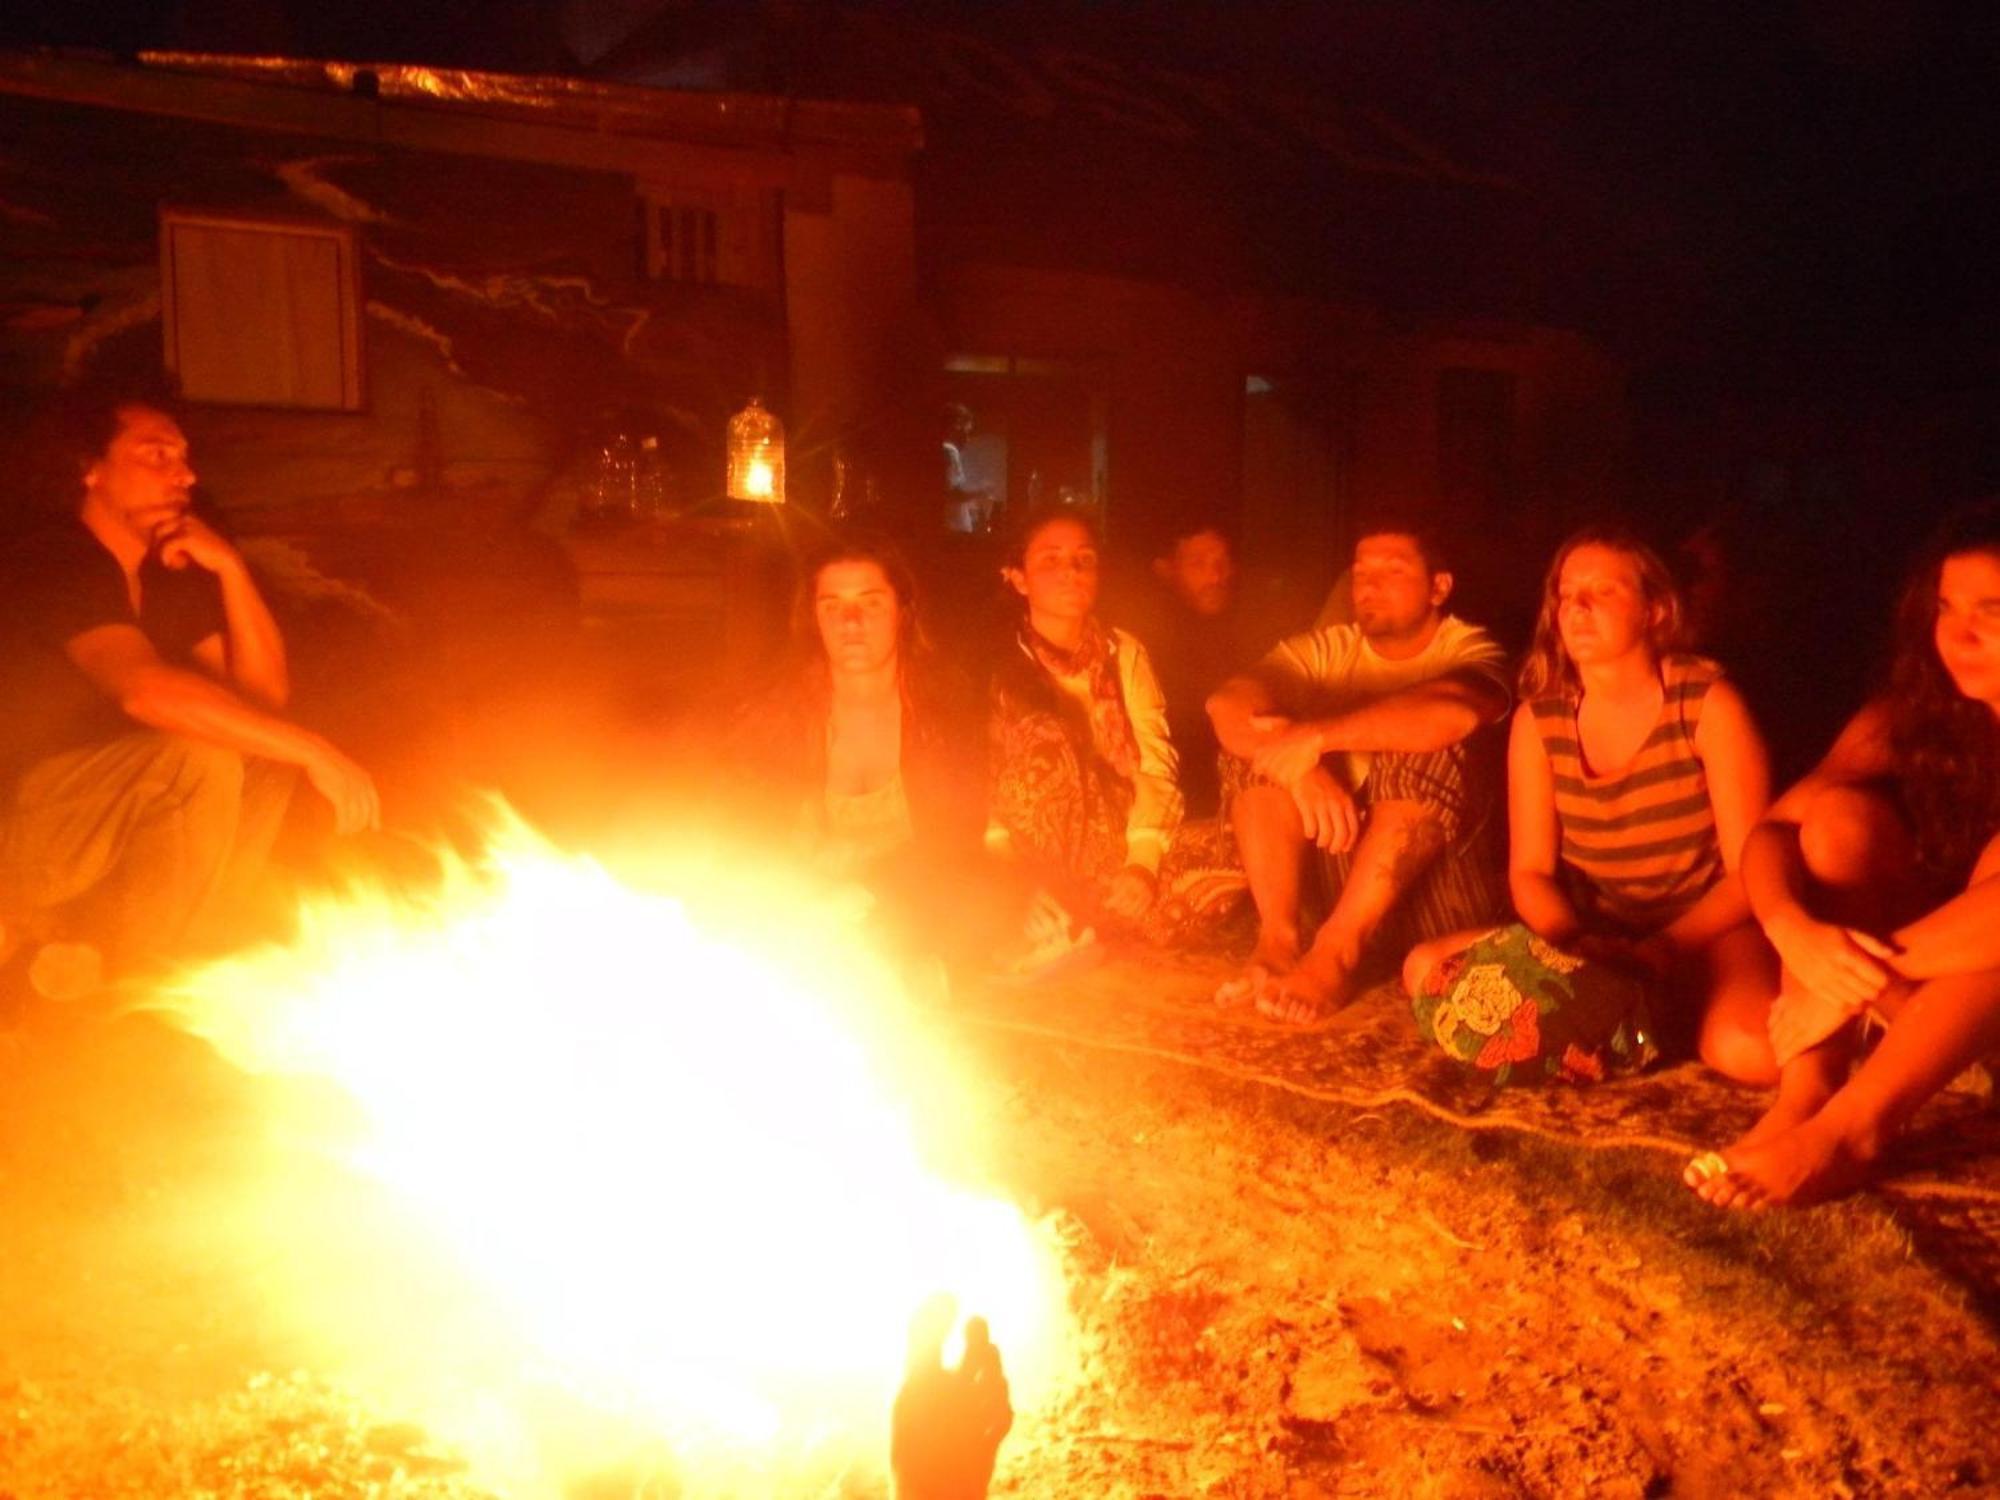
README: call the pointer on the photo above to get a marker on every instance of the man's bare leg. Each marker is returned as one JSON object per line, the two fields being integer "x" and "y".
{"x": 1271, "y": 837}
{"x": 1396, "y": 847}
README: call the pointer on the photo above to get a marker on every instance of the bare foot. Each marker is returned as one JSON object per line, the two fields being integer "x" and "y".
{"x": 1784, "y": 1114}
{"x": 1275, "y": 956}
{"x": 1306, "y": 996}
{"x": 1803, "y": 1090}
{"x": 1807, "y": 1163}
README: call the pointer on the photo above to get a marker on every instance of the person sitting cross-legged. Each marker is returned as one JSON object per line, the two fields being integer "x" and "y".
{"x": 1634, "y": 773}
{"x": 1083, "y": 794}
{"x": 1355, "y": 743}
{"x": 1877, "y": 879}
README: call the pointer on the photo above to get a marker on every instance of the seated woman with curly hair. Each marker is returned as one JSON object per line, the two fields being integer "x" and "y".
{"x": 1877, "y": 879}
{"x": 1634, "y": 774}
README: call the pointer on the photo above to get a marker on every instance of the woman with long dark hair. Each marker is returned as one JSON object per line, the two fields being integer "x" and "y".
{"x": 866, "y": 749}
{"x": 1634, "y": 774}
{"x": 1877, "y": 879}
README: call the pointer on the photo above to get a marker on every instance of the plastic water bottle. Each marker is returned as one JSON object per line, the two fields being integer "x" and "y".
{"x": 649, "y": 480}
{"x": 613, "y": 493}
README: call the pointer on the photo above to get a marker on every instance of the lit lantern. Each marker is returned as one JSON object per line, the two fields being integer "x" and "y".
{"x": 756, "y": 455}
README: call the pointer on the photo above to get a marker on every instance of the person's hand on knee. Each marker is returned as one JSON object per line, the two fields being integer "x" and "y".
{"x": 1047, "y": 923}
{"x": 1843, "y": 966}
{"x": 1131, "y": 893}
{"x": 349, "y": 790}
{"x": 1327, "y": 810}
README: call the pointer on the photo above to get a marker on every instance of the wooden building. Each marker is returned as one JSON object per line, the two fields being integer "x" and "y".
{"x": 410, "y": 309}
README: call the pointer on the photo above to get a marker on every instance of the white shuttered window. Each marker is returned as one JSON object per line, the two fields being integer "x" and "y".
{"x": 262, "y": 312}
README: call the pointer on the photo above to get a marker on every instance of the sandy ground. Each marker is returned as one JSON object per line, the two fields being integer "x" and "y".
{"x": 1296, "y": 1301}
{"x": 1278, "y": 1298}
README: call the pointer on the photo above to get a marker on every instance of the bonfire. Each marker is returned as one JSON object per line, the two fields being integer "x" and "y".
{"x": 688, "y": 1165}
{"x": 624, "y": 1177}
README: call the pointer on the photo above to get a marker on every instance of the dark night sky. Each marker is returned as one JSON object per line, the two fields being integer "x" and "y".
{"x": 1800, "y": 190}
{"x": 1783, "y": 214}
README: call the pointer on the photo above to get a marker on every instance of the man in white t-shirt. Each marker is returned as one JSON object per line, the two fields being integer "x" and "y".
{"x": 1357, "y": 741}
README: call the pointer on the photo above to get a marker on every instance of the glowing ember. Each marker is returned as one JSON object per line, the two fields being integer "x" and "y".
{"x": 682, "y": 1168}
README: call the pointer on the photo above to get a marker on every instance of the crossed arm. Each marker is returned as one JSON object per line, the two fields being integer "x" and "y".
{"x": 235, "y": 707}
{"x": 1852, "y": 965}
{"x": 1960, "y": 937}
{"x": 1428, "y": 716}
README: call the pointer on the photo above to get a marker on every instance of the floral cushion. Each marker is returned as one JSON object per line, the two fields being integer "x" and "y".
{"x": 1525, "y": 1011}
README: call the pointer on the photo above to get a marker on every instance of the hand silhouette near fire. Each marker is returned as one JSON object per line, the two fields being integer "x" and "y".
{"x": 945, "y": 1430}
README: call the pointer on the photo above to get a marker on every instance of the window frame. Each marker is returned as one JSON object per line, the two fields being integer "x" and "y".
{"x": 755, "y": 214}
{"x": 347, "y": 242}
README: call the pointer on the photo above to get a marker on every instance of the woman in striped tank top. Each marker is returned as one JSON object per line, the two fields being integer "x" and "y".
{"x": 1634, "y": 773}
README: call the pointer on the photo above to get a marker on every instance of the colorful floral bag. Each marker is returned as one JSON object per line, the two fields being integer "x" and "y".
{"x": 1527, "y": 1012}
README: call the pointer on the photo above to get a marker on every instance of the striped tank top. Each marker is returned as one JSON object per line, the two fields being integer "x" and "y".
{"x": 1638, "y": 847}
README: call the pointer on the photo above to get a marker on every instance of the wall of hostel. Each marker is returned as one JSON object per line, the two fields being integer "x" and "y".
{"x": 1365, "y": 417}
{"x": 1162, "y": 357}
{"x": 852, "y": 319}
{"x": 507, "y": 323}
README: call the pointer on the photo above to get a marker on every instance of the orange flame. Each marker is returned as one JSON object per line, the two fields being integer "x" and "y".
{"x": 683, "y": 1169}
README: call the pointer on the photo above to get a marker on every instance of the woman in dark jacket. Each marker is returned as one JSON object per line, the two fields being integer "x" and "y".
{"x": 868, "y": 753}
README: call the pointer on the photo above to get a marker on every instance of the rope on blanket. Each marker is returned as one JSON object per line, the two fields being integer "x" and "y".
{"x": 1951, "y": 1192}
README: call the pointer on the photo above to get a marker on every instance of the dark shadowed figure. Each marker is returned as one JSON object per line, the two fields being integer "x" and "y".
{"x": 948, "y": 1423}
{"x": 1198, "y": 639}
{"x": 969, "y": 505}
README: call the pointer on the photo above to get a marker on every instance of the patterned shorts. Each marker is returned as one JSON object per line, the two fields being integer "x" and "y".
{"x": 1458, "y": 786}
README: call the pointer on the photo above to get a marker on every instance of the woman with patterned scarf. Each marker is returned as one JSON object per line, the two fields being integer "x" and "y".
{"x": 1084, "y": 791}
